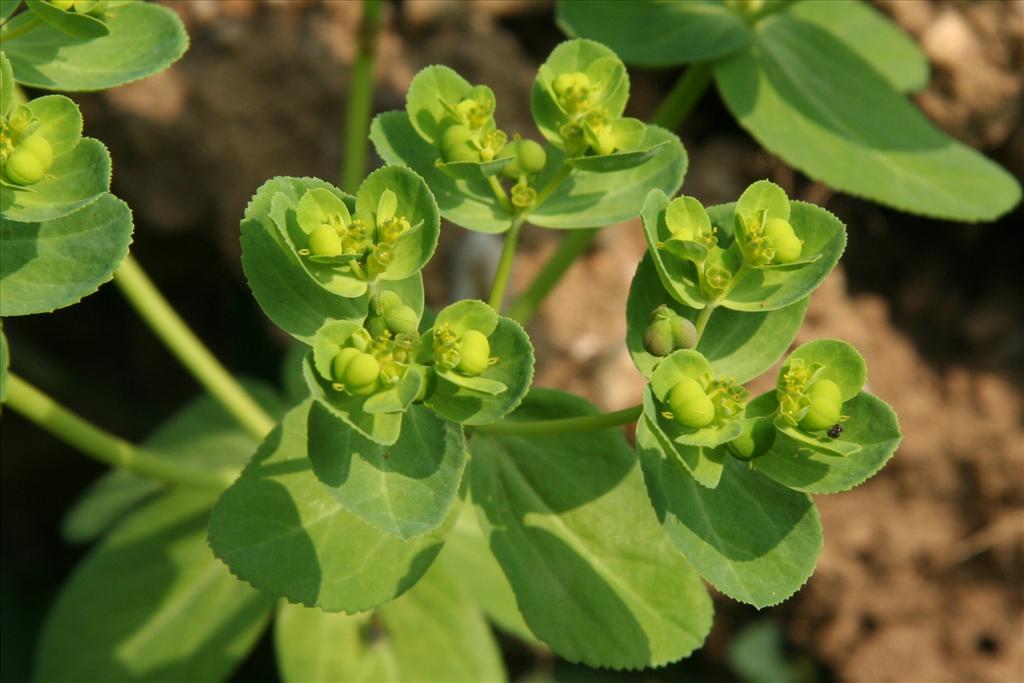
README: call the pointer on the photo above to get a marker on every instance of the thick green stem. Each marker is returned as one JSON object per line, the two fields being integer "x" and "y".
{"x": 508, "y": 255}
{"x": 36, "y": 406}
{"x": 499, "y": 193}
{"x": 684, "y": 95}
{"x": 567, "y": 425}
{"x": 573, "y": 244}
{"x": 360, "y": 99}
{"x": 702, "y": 319}
{"x": 183, "y": 343}
{"x": 25, "y": 27}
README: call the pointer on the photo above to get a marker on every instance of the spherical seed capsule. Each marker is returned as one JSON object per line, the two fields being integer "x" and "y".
{"x": 24, "y": 168}
{"x": 826, "y": 404}
{"x": 457, "y": 144}
{"x": 532, "y": 157}
{"x": 386, "y": 300}
{"x": 684, "y": 334}
{"x": 474, "y": 353}
{"x": 401, "y": 318}
{"x": 325, "y": 241}
{"x": 361, "y": 371}
{"x": 658, "y": 339}
{"x": 756, "y": 440}
{"x": 341, "y": 361}
{"x": 690, "y": 406}
{"x": 39, "y": 146}
{"x": 783, "y": 239}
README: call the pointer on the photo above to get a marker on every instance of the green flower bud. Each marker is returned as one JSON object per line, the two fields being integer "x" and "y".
{"x": 457, "y": 144}
{"x": 386, "y": 300}
{"x": 532, "y": 157}
{"x": 784, "y": 241}
{"x": 756, "y": 440}
{"x": 360, "y": 374}
{"x": 62, "y": 4}
{"x": 24, "y": 167}
{"x": 39, "y": 146}
{"x": 684, "y": 334}
{"x": 573, "y": 91}
{"x": 325, "y": 241}
{"x": 658, "y": 337}
{"x": 474, "y": 353}
{"x": 401, "y": 319}
{"x": 690, "y": 405}
{"x": 826, "y": 405}
{"x": 341, "y": 361}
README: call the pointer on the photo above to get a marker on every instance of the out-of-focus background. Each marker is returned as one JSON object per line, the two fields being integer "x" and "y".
{"x": 921, "y": 575}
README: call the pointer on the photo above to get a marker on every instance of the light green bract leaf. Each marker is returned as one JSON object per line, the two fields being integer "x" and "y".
{"x": 464, "y": 399}
{"x": 6, "y": 85}
{"x": 144, "y": 39}
{"x": 202, "y": 433}
{"x": 872, "y": 425}
{"x": 406, "y": 489}
{"x": 281, "y": 529}
{"x": 839, "y": 362}
{"x": 469, "y": 203}
{"x": 568, "y": 519}
{"x": 50, "y": 265}
{"x": 872, "y": 35}
{"x": 738, "y": 344}
{"x": 72, "y": 24}
{"x": 432, "y": 633}
{"x": 467, "y": 558}
{"x": 171, "y": 611}
{"x": 822, "y": 108}
{"x": 753, "y": 539}
{"x": 75, "y": 180}
{"x": 651, "y": 33}
{"x": 703, "y": 463}
{"x": 432, "y": 94}
{"x": 587, "y": 199}
{"x": 287, "y": 293}
{"x": 7, "y": 7}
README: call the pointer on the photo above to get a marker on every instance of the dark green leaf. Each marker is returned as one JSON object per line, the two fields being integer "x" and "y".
{"x": 569, "y": 521}
{"x": 46, "y": 266}
{"x": 753, "y": 539}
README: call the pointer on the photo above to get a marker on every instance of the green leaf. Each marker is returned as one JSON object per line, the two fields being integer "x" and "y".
{"x": 617, "y": 161}
{"x": 873, "y": 36}
{"x": 704, "y": 464}
{"x": 737, "y": 344}
{"x": 50, "y": 265}
{"x": 290, "y": 297}
{"x": 144, "y": 39}
{"x": 7, "y": 8}
{"x": 202, "y": 433}
{"x": 170, "y": 611}
{"x": 753, "y": 539}
{"x": 678, "y": 275}
{"x": 281, "y": 529}
{"x": 468, "y": 203}
{"x": 568, "y": 519}
{"x": 75, "y": 180}
{"x": 760, "y": 289}
{"x": 69, "y": 23}
{"x": 587, "y": 200}
{"x": 514, "y": 368}
{"x": 432, "y": 633}
{"x": 650, "y": 33}
{"x": 431, "y": 89}
{"x": 808, "y": 98}
{"x": 872, "y": 425}
{"x": 607, "y": 74}
{"x": 840, "y": 363}
{"x": 407, "y": 489}
{"x": 415, "y": 203}
{"x": 467, "y": 558}
{"x": 5, "y": 362}
{"x": 6, "y": 85}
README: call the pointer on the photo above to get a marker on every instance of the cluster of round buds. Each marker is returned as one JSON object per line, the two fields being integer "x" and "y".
{"x": 392, "y": 316}
{"x": 822, "y": 399}
{"x": 469, "y": 354}
{"x": 470, "y": 134}
{"x": 696, "y": 404}
{"x": 26, "y": 154}
{"x": 667, "y": 332}
{"x": 575, "y": 92}
{"x": 768, "y": 241}
{"x": 528, "y": 158}
{"x": 96, "y": 8}
{"x": 354, "y": 369}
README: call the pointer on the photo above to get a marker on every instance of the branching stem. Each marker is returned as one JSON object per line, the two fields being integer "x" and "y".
{"x": 504, "y": 271}
{"x": 360, "y": 98}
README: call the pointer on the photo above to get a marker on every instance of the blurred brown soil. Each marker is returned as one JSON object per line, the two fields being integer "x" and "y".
{"x": 921, "y": 575}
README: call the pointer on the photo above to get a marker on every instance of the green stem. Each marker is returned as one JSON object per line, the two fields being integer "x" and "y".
{"x": 684, "y": 95}
{"x": 573, "y": 244}
{"x": 499, "y": 192}
{"x": 702, "y": 319}
{"x": 183, "y": 343}
{"x": 508, "y": 254}
{"x": 36, "y": 406}
{"x": 567, "y": 425}
{"x": 25, "y": 27}
{"x": 360, "y": 98}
